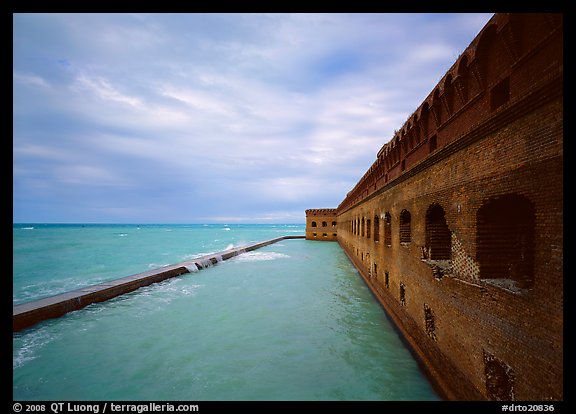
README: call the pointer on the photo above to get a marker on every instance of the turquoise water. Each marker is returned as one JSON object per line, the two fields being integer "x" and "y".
{"x": 290, "y": 321}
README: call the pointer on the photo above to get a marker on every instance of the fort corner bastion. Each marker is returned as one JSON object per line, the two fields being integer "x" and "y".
{"x": 457, "y": 226}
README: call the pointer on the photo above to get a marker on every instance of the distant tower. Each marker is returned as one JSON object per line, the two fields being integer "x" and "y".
{"x": 321, "y": 224}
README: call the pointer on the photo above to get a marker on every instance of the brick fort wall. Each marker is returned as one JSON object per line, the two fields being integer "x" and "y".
{"x": 457, "y": 227}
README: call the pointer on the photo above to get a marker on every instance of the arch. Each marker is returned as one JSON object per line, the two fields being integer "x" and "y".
{"x": 505, "y": 239}
{"x": 324, "y": 224}
{"x": 387, "y": 229}
{"x": 438, "y": 235}
{"x": 425, "y": 119}
{"x": 368, "y": 228}
{"x": 486, "y": 44}
{"x": 405, "y": 230}
{"x": 449, "y": 94}
{"x": 462, "y": 80}
{"x": 314, "y": 224}
{"x": 463, "y": 65}
{"x": 416, "y": 128}
{"x": 499, "y": 379}
{"x": 436, "y": 108}
{"x": 376, "y": 228}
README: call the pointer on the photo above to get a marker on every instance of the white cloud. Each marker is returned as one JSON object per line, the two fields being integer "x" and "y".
{"x": 284, "y": 109}
{"x": 102, "y": 89}
{"x": 30, "y": 80}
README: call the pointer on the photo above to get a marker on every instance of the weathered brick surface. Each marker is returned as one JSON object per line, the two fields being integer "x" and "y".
{"x": 321, "y": 224}
{"x": 482, "y": 155}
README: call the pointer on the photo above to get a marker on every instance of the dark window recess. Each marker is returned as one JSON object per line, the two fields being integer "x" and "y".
{"x": 499, "y": 379}
{"x": 387, "y": 229}
{"x": 333, "y": 224}
{"x": 324, "y": 224}
{"x": 368, "y": 227}
{"x": 500, "y": 94}
{"x": 505, "y": 239}
{"x": 376, "y": 228}
{"x": 402, "y": 294}
{"x": 438, "y": 235}
{"x": 405, "y": 219}
{"x": 313, "y": 224}
{"x": 429, "y": 324}
{"x": 386, "y": 279}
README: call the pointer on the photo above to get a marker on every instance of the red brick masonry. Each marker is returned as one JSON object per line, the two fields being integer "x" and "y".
{"x": 457, "y": 226}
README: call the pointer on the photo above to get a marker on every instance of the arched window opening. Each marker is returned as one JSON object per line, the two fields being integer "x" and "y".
{"x": 402, "y": 294}
{"x": 376, "y": 228}
{"x": 368, "y": 227}
{"x": 362, "y": 227}
{"x": 505, "y": 239}
{"x": 314, "y": 224}
{"x": 438, "y": 236}
{"x": 324, "y": 224}
{"x": 499, "y": 379}
{"x": 429, "y": 323}
{"x": 387, "y": 229}
{"x": 405, "y": 218}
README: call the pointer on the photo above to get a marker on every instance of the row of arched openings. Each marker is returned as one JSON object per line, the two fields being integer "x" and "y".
{"x": 438, "y": 237}
{"x": 324, "y": 224}
{"x": 505, "y": 227}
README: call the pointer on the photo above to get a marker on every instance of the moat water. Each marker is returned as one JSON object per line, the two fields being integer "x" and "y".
{"x": 290, "y": 321}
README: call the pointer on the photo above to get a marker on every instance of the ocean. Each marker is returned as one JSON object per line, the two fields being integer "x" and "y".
{"x": 290, "y": 321}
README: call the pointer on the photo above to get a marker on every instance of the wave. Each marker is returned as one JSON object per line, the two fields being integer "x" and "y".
{"x": 157, "y": 266}
{"x": 260, "y": 256}
{"x": 31, "y": 342}
{"x": 27, "y": 228}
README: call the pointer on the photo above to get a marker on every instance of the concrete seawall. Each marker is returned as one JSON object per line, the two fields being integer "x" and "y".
{"x": 27, "y": 314}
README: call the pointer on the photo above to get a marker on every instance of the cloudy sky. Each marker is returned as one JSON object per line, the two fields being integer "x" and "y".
{"x": 198, "y": 118}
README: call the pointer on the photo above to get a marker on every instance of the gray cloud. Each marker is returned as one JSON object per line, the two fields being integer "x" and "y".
{"x": 194, "y": 117}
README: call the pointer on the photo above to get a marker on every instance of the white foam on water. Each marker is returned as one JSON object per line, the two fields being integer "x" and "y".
{"x": 209, "y": 262}
{"x": 260, "y": 256}
{"x": 32, "y": 342}
{"x": 193, "y": 256}
{"x": 27, "y": 228}
{"x": 157, "y": 266}
{"x": 192, "y": 268}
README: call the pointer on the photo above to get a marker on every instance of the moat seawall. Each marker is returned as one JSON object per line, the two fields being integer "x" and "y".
{"x": 28, "y": 314}
{"x": 457, "y": 227}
